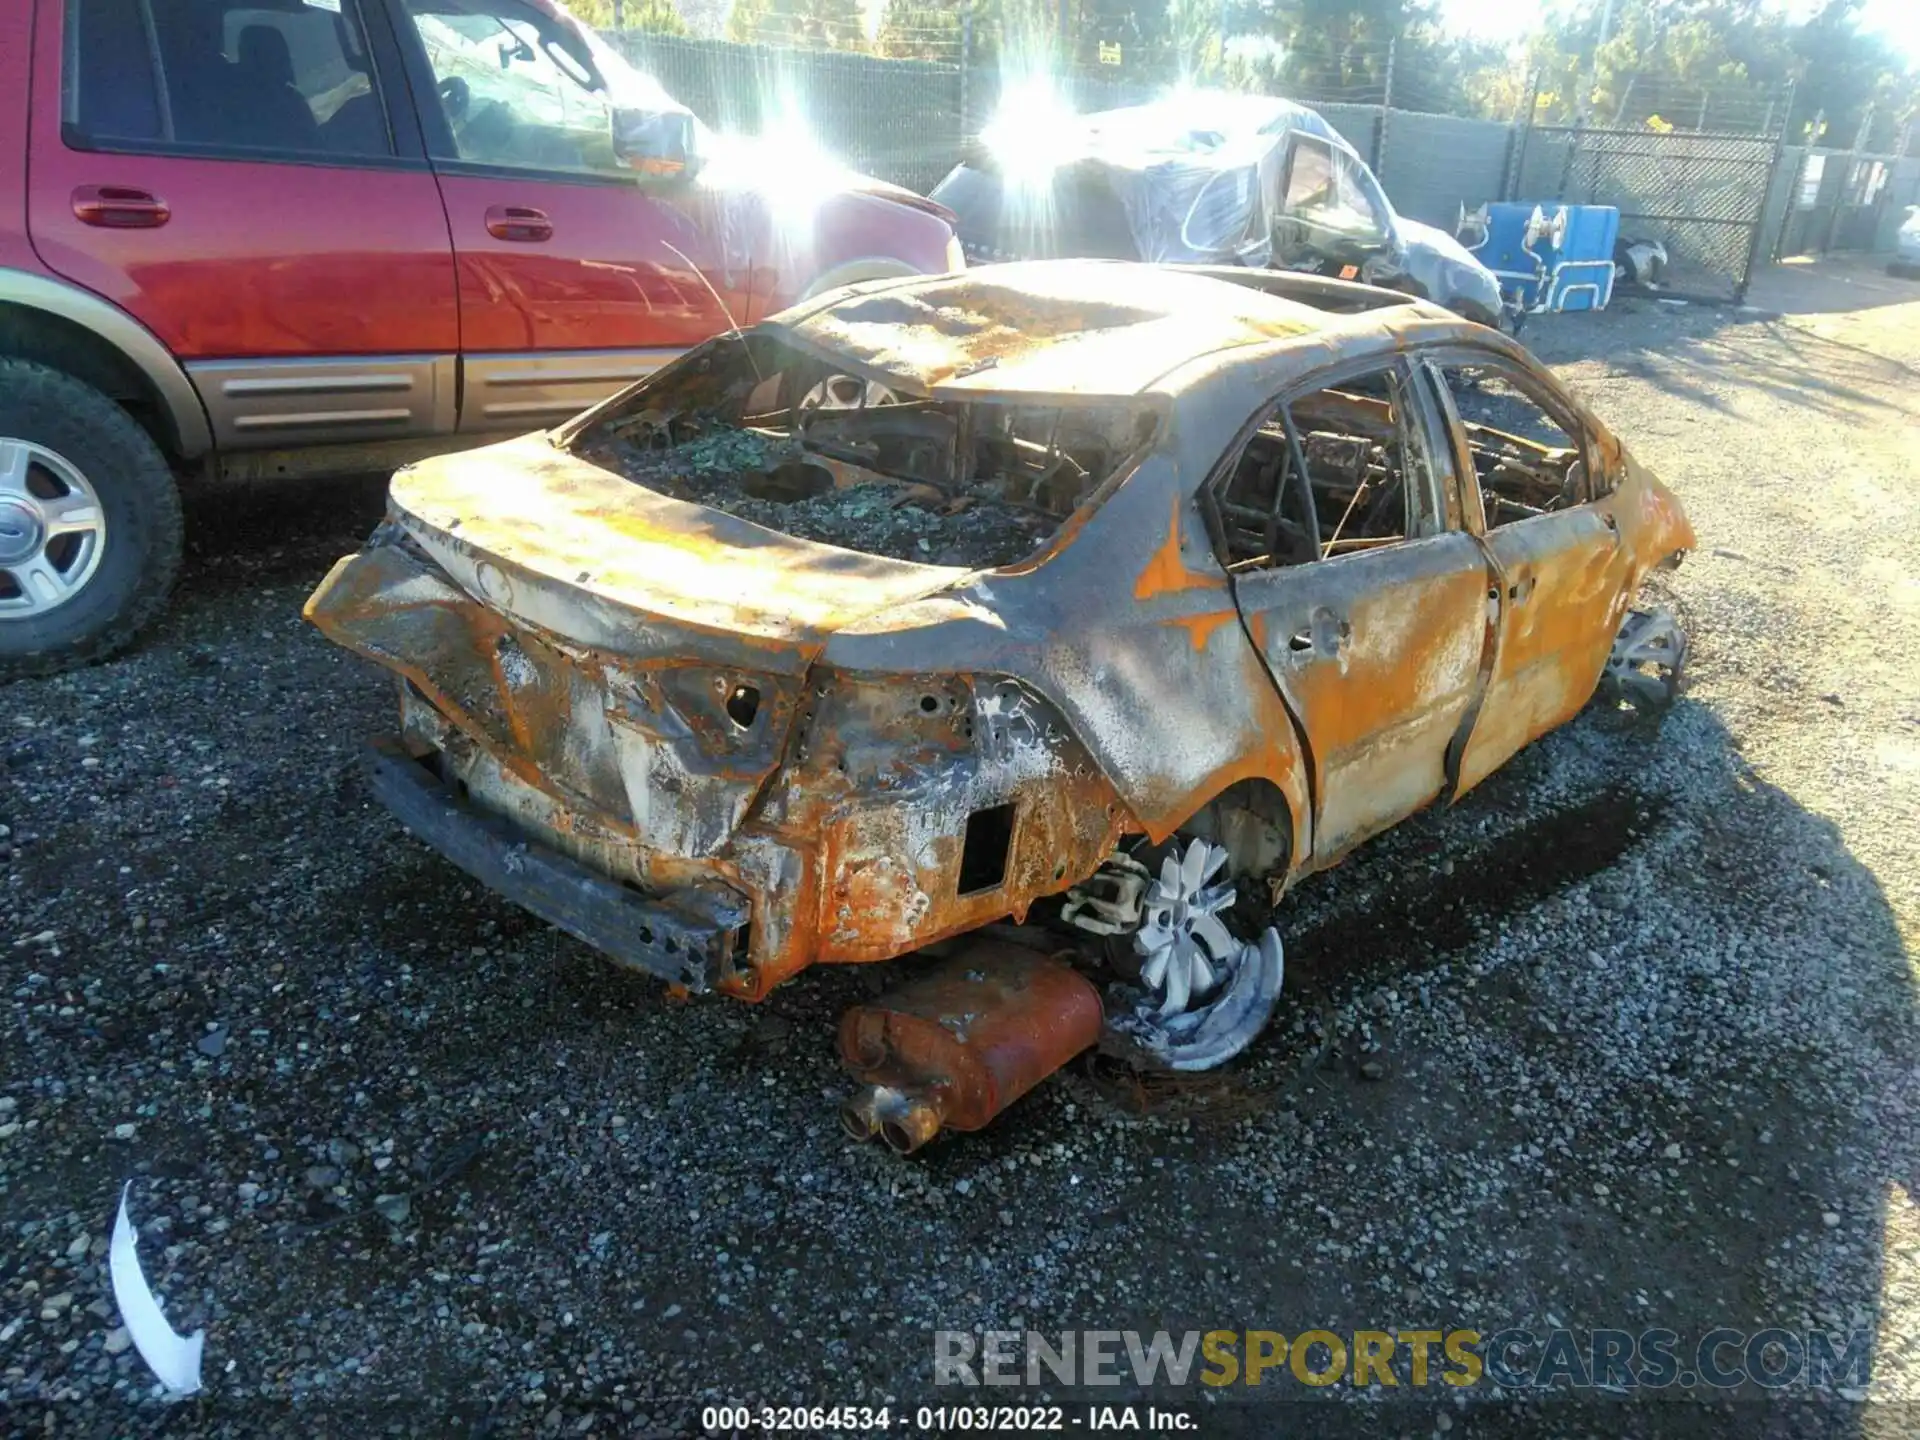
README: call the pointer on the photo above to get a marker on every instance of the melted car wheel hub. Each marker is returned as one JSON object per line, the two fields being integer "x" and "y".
{"x": 1208, "y": 993}
{"x": 1648, "y": 660}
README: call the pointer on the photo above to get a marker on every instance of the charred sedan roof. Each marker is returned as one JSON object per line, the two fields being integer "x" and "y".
{"x": 1059, "y": 328}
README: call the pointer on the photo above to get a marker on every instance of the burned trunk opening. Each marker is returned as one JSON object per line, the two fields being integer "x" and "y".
{"x": 762, "y": 430}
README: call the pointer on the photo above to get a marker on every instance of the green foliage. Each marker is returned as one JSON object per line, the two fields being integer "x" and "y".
{"x": 919, "y": 30}
{"x": 1679, "y": 59}
{"x": 815, "y": 24}
{"x": 656, "y": 16}
{"x": 1195, "y": 46}
{"x": 1689, "y": 61}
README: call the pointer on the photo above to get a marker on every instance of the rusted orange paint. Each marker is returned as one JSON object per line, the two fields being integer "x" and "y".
{"x": 1200, "y": 628}
{"x": 1167, "y": 569}
{"x": 864, "y": 893}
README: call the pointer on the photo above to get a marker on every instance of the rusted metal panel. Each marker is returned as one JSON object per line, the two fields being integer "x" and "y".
{"x": 551, "y": 540}
{"x": 957, "y": 1046}
{"x": 1130, "y": 633}
{"x": 1379, "y": 657}
{"x": 1083, "y": 327}
{"x": 1562, "y": 587}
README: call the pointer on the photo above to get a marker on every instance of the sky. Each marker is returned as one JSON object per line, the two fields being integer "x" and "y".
{"x": 1898, "y": 20}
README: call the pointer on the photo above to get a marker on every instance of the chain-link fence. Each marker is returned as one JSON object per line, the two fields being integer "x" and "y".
{"x": 1825, "y": 200}
{"x": 1702, "y": 196}
{"x": 900, "y": 120}
{"x": 908, "y": 120}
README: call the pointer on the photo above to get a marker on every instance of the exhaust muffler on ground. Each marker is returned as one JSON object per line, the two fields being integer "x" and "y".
{"x": 954, "y": 1048}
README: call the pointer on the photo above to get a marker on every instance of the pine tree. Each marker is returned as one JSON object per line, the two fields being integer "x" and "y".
{"x": 656, "y": 16}
{"x": 918, "y": 30}
{"x": 815, "y": 24}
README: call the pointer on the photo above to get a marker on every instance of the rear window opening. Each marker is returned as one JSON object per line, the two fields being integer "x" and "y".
{"x": 794, "y": 442}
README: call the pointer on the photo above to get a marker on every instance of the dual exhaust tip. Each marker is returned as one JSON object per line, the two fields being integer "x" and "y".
{"x": 905, "y": 1122}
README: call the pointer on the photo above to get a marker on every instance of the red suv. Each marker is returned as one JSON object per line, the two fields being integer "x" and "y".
{"x": 288, "y": 237}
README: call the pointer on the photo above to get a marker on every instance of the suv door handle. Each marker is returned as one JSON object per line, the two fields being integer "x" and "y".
{"x": 522, "y": 223}
{"x": 119, "y": 207}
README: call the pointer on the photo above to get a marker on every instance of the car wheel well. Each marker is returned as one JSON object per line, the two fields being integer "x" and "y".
{"x": 61, "y": 344}
{"x": 1253, "y": 820}
{"x": 854, "y": 271}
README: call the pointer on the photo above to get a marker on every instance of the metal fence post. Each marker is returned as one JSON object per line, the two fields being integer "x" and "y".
{"x": 1759, "y": 240}
{"x": 966, "y": 74}
{"x": 1846, "y": 179}
{"x": 1573, "y": 155}
{"x": 1518, "y": 138}
{"x": 1386, "y": 104}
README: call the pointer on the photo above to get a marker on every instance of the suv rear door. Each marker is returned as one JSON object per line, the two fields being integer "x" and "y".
{"x": 573, "y": 279}
{"x": 246, "y": 178}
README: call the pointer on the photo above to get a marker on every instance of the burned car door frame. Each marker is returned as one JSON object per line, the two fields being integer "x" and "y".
{"x": 1378, "y": 653}
{"x": 1556, "y": 589}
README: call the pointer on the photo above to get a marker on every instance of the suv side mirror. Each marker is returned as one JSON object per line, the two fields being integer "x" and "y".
{"x": 657, "y": 143}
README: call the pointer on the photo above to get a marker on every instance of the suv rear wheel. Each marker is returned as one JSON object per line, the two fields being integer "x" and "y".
{"x": 89, "y": 523}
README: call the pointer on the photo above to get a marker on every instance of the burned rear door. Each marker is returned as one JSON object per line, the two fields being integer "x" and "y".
{"x": 1339, "y": 523}
{"x": 1560, "y": 584}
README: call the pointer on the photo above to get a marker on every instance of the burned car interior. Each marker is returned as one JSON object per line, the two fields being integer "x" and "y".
{"x": 1323, "y": 475}
{"x": 773, "y": 434}
{"x": 1527, "y": 461}
{"x": 1327, "y": 474}
{"x": 947, "y": 609}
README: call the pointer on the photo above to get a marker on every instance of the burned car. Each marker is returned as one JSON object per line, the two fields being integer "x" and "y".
{"x": 1204, "y": 177}
{"x": 1128, "y": 592}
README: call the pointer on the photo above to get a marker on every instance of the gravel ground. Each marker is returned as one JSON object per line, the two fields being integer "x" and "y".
{"x": 1626, "y": 1039}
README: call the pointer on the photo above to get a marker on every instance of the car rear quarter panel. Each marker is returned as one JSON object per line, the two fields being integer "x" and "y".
{"x": 1131, "y": 632}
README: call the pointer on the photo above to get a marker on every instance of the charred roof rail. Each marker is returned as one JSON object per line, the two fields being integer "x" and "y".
{"x": 1336, "y": 297}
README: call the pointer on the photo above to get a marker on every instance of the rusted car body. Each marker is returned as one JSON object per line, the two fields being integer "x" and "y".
{"x": 722, "y": 752}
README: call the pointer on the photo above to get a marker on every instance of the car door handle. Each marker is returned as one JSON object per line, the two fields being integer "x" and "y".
{"x": 1326, "y": 634}
{"x": 1520, "y": 589}
{"x": 120, "y": 207}
{"x": 520, "y": 223}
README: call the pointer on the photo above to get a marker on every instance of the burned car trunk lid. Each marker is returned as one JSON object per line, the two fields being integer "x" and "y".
{"x": 556, "y": 542}
{"x": 640, "y": 657}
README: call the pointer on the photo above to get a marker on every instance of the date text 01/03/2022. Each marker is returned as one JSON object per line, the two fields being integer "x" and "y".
{"x": 939, "y": 1419}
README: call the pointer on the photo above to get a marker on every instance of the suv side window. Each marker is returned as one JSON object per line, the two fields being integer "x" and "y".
{"x": 513, "y": 87}
{"x": 1346, "y": 467}
{"x": 198, "y": 74}
{"x": 1529, "y": 453}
